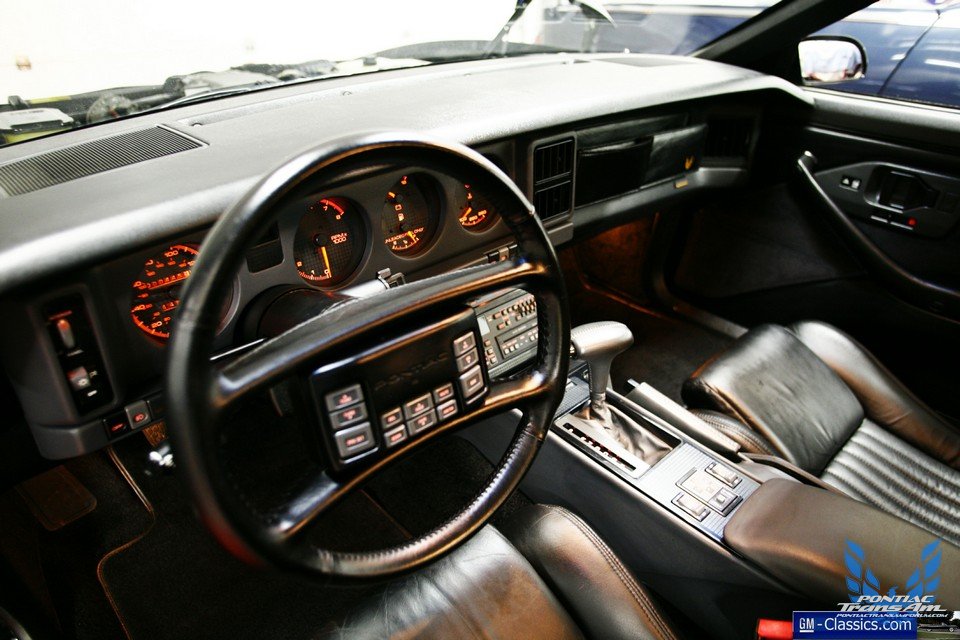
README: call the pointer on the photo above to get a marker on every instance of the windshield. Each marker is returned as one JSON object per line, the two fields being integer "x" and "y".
{"x": 67, "y": 65}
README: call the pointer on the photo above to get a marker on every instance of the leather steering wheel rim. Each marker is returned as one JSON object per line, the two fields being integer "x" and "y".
{"x": 199, "y": 391}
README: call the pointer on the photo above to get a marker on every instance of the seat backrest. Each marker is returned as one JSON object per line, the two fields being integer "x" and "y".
{"x": 771, "y": 381}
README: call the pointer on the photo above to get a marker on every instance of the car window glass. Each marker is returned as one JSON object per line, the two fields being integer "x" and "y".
{"x": 912, "y": 50}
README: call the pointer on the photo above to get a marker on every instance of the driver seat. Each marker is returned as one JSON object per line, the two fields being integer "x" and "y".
{"x": 546, "y": 575}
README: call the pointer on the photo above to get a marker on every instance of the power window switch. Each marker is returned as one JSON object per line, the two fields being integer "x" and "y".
{"x": 691, "y": 506}
{"x": 723, "y": 474}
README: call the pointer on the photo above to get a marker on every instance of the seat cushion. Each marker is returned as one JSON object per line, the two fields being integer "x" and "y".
{"x": 879, "y": 468}
{"x": 772, "y": 382}
{"x": 484, "y": 589}
{"x": 563, "y": 582}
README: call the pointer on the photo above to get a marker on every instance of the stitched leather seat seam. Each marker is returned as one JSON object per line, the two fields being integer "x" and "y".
{"x": 622, "y": 573}
{"x": 897, "y": 487}
{"x": 908, "y": 472}
{"x": 905, "y": 511}
{"x": 733, "y": 431}
{"x": 890, "y": 448}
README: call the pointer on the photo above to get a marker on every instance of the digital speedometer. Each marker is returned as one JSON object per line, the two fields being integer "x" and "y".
{"x": 156, "y": 291}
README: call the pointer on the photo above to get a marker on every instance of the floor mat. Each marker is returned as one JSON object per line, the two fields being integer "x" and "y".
{"x": 177, "y": 582}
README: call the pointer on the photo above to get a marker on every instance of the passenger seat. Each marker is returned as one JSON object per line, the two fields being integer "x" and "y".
{"x": 814, "y": 396}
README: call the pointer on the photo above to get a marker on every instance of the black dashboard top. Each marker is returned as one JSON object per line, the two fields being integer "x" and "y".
{"x": 82, "y": 222}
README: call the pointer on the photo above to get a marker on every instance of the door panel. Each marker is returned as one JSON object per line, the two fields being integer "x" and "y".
{"x": 824, "y": 246}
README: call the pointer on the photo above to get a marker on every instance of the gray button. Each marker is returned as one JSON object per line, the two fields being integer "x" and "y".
{"x": 348, "y": 416}
{"x": 724, "y": 501}
{"x": 723, "y": 474}
{"x": 471, "y": 382}
{"x": 355, "y": 440}
{"x": 344, "y": 398}
{"x": 463, "y": 344}
{"x": 138, "y": 414}
{"x": 467, "y": 360}
{"x": 691, "y": 505}
{"x": 395, "y": 436}
{"x": 447, "y": 410}
{"x": 444, "y": 393}
{"x": 423, "y": 421}
{"x": 391, "y": 418}
{"x": 418, "y": 405}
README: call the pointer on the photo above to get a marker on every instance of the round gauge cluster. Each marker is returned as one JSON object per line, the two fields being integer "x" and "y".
{"x": 330, "y": 242}
{"x": 332, "y": 234}
{"x": 156, "y": 291}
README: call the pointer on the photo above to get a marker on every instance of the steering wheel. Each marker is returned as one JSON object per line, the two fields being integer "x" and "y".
{"x": 367, "y": 354}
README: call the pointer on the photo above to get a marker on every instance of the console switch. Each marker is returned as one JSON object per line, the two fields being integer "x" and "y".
{"x": 722, "y": 473}
{"x": 691, "y": 506}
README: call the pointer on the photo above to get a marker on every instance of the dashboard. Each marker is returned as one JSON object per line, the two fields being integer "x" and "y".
{"x": 90, "y": 286}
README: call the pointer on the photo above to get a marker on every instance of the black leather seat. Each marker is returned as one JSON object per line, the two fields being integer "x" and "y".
{"x": 813, "y": 395}
{"x": 547, "y": 575}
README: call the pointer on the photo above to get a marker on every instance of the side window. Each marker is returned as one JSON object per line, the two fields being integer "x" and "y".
{"x": 912, "y": 52}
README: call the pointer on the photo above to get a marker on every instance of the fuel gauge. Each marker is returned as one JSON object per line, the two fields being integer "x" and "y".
{"x": 410, "y": 215}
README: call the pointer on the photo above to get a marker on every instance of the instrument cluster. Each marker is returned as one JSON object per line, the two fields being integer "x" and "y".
{"x": 335, "y": 238}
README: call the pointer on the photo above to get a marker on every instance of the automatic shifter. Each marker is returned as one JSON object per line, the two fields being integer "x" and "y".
{"x": 598, "y": 343}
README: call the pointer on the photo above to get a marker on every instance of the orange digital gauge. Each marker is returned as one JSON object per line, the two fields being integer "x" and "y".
{"x": 330, "y": 242}
{"x": 156, "y": 291}
{"x": 409, "y": 220}
{"x": 475, "y": 214}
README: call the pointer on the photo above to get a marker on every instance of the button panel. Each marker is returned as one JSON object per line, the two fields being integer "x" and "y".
{"x": 709, "y": 490}
{"x": 78, "y": 354}
{"x": 401, "y": 390}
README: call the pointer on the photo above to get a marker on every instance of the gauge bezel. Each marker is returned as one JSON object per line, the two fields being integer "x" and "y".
{"x": 363, "y": 229}
{"x": 436, "y": 200}
{"x": 489, "y": 221}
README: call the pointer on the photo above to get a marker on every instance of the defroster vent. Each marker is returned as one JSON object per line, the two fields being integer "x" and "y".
{"x": 85, "y": 159}
{"x": 553, "y": 178}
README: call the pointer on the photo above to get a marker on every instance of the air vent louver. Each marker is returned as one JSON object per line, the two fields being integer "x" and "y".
{"x": 88, "y": 158}
{"x": 728, "y": 139}
{"x": 553, "y": 178}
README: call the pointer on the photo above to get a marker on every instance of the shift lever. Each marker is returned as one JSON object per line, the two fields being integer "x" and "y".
{"x": 598, "y": 343}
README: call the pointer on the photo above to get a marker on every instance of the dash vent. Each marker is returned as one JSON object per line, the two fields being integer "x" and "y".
{"x": 85, "y": 159}
{"x": 553, "y": 178}
{"x": 728, "y": 140}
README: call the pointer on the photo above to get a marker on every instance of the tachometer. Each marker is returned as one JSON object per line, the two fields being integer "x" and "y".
{"x": 410, "y": 215}
{"x": 330, "y": 242}
{"x": 157, "y": 289}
